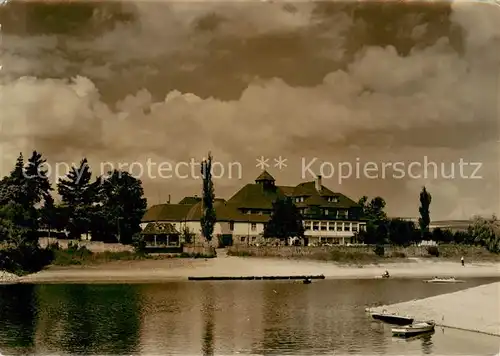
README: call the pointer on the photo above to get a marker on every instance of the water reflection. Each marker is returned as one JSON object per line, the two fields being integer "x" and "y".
{"x": 208, "y": 320}
{"x": 18, "y": 307}
{"x": 88, "y": 319}
{"x": 427, "y": 343}
{"x": 266, "y": 317}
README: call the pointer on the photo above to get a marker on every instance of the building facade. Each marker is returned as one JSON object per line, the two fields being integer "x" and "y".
{"x": 328, "y": 217}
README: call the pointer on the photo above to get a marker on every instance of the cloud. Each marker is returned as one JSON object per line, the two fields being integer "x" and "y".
{"x": 369, "y": 103}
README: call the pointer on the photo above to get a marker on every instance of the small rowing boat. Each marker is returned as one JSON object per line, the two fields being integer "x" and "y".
{"x": 443, "y": 280}
{"x": 414, "y": 329}
{"x": 392, "y": 318}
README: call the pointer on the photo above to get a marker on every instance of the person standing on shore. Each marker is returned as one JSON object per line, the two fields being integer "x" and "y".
{"x": 463, "y": 262}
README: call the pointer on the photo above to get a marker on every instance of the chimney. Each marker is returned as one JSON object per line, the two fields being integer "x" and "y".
{"x": 169, "y": 199}
{"x": 318, "y": 184}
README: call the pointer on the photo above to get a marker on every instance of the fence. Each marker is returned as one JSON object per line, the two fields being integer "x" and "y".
{"x": 94, "y": 246}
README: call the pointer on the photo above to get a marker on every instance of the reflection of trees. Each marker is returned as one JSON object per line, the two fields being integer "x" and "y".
{"x": 208, "y": 308}
{"x": 89, "y": 319}
{"x": 17, "y": 315}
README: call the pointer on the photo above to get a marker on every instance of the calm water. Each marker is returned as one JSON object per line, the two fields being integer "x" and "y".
{"x": 246, "y": 317}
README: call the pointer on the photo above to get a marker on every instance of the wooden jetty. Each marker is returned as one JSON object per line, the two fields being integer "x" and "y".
{"x": 254, "y": 278}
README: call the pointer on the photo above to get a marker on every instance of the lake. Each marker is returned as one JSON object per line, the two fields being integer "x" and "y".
{"x": 227, "y": 317}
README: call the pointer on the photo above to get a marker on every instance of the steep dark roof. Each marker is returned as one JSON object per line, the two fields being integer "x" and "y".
{"x": 315, "y": 200}
{"x": 159, "y": 228}
{"x": 264, "y": 176}
{"x": 288, "y": 191}
{"x": 195, "y": 200}
{"x": 166, "y": 212}
{"x": 190, "y": 200}
{"x": 308, "y": 189}
{"x": 255, "y": 196}
{"x": 223, "y": 212}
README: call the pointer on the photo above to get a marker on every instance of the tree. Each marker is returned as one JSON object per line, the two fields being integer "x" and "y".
{"x": 13, "y": 187}
{"x": 21, "y": 191}
{"x": 424, "y": 220}
{"x": 37, "y": 181}
{"x": 486, "y": 232}
{"x": 78, "y": 195}
{"x": 285, "y": 221}
{"x": 208, "y": 217}
{"x": 13, "y": 229}
{"x": 377, "y": 223}
{"x": 440, "y": 235}
{"x": 376, "y": 233}
{"x": 401, "y": 232}
{"x": 122, "y": 205}
{"x": 373, "y": 210}
{"x": 187, "y": 236}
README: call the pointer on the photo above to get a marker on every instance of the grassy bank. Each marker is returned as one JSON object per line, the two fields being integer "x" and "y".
{"x": 81, "y": 255}
{"x": 324, "y": 254}
{"x": 367, "y": 254}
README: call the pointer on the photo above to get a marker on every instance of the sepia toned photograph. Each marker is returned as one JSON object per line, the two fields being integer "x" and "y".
{"x": 249, "y": 177}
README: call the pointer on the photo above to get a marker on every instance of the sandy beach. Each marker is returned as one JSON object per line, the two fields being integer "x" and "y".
{"x": 475, "y": 309}
{"x": 223, "y": 265}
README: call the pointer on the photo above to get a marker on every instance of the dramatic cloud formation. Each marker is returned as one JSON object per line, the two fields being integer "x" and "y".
{"x": 293, "y": 81}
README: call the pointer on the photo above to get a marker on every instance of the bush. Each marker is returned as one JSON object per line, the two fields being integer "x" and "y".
{"x": 139, "y": 243}
{"x": 433, "y": 251}
{"x": 396, "y": 254}
{"x": 26, "y": 258}
{"x": 379, "y": 250}
{"x": 196, "y": 255}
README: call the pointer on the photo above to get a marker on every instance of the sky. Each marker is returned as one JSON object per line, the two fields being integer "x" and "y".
{"x": 322, "y": 85}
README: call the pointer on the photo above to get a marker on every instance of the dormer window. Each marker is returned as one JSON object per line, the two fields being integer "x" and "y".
{"x": 326, "y": 211}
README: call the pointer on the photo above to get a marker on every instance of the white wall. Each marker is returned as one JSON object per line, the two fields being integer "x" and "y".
{"x": 245, "y": 228}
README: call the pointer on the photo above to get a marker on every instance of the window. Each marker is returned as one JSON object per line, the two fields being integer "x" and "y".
{"x": 260, "y": 212}
{"x": 362, "y": 227}
{"x": 335, "y": 199}
{"x": 354, "y": 227}
{"x": 307, "y": 225}
{"x": 254, "y": 226}
{"x": 231, "y": 225}
{"x": 249, "y": 212}
{"x": 243, "y": 239}
{"x": 331, "y": 226}
{"x": 347, "y": 227}
{"x": 323, "y": 226}
{"x": 342, "y": 214}
{"x": 326, "y": 211}
{"x": 315, "y": 225}
{"x": 339, "y": 226}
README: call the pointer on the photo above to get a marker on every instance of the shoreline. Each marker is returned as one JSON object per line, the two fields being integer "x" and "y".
{"x": 473, "y": 309}
{"x": 170, "y": 270}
